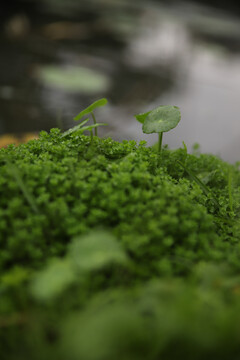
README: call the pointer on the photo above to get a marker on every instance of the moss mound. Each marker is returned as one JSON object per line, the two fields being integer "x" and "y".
{"x": 107, "y": 252}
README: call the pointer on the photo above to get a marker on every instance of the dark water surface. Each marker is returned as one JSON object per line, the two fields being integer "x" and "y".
{"x": 58, "y": 56}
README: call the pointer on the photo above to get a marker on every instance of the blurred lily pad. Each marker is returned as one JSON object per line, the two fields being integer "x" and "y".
{"x": 74, "y": 79}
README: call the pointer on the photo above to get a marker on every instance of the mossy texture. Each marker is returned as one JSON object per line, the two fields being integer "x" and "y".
{"x": 108, "y": 252}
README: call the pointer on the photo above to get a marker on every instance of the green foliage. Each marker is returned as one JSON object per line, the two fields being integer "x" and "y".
{"x": 157, "y": 278}
{"x": 159, "y": 120}
{"x": 90, "y": 108}
{"x": 95, "y": 251}
{"x": 141, "y": 117}
{"x": 82, "y": 128}
{"x": 75, "y": 128}
{"x": 52, "y": 280}
{"x": 15, "y": 173}
{"x": 144, "y": 323}
{"x": 199, "y": 182}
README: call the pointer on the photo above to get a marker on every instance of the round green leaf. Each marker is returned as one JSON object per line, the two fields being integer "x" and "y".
{"x": 161, "y": 119}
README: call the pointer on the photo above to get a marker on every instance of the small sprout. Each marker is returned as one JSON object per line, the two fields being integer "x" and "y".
{"x": 75, "y": 128}
{"x": 185, "y": 147}
{"x": 160, "y": 120}
{"x": 89, "y": 110}
{"x": 80, "y": 128}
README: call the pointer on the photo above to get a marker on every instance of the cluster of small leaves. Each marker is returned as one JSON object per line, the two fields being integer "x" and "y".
{"x": 159, "y": 222}
{"x": 76, "y": 186}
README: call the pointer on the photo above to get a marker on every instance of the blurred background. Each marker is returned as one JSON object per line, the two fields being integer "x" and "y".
{"x": 58, "y": 56}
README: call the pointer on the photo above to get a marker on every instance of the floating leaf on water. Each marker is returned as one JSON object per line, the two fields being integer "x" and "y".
{"x": 74, "y": 79}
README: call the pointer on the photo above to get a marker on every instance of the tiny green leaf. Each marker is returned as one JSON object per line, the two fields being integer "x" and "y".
{"x": 90, "y": 108}
{"x": 90, "y": 127}
{"x": 75, "y": 128}
{"x": 82, "y": 128}
{"x": 141, "y": 117}
{"x": 185, "y": 147}
{"x": 161, "y": 119}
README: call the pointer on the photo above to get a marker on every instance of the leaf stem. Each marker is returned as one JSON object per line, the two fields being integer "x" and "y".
{"x": 94, "y": 120}
{"x": 160, "y": 135}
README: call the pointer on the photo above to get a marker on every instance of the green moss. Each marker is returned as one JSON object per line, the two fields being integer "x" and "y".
{"x": 100, "y": 240}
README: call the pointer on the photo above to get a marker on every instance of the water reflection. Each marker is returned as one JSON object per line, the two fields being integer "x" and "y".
{"x": 143, "y": 55}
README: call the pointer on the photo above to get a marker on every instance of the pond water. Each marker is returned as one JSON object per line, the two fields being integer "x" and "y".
{"x": 58, "y": 57}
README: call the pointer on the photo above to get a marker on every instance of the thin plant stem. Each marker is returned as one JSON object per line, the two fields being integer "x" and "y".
{"x": 160, "y": 135}
{"x": 91, "y": 134}
{"x": 94, "y": 120}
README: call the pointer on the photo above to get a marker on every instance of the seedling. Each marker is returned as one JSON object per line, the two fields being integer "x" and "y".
{"x": 82, "y": 128}
{"x": 90, "y": 109}
{"x": 159, "y": 120}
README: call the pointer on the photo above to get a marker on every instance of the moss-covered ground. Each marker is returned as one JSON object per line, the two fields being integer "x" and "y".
{"x": 108, "y": 252}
